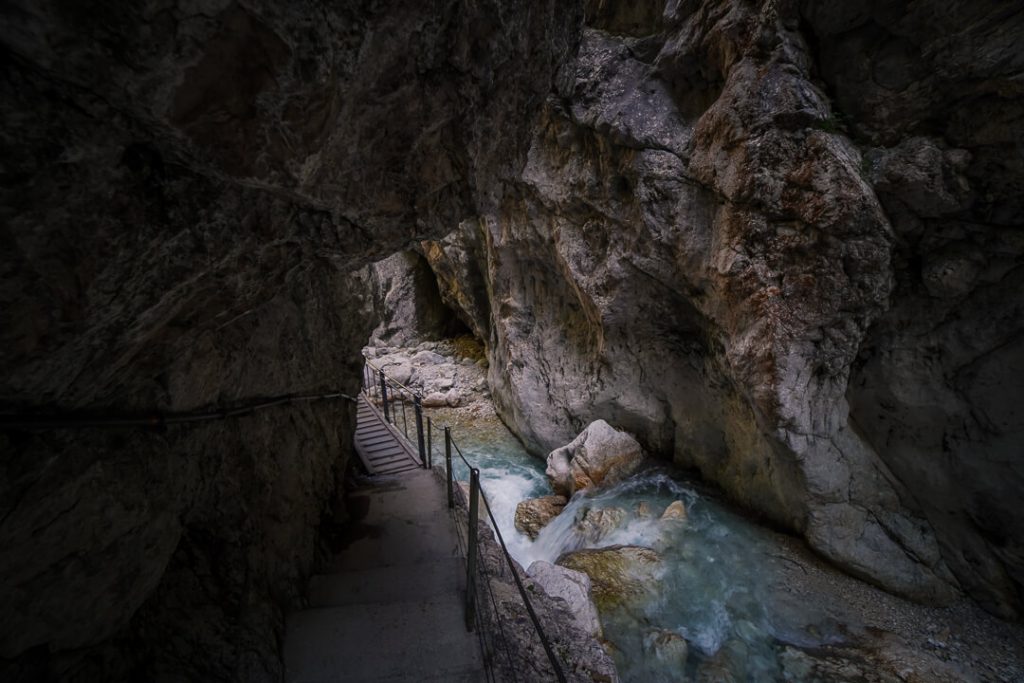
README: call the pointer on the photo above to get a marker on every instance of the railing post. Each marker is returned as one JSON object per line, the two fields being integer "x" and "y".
{"x": 448, "y": 463}
{"x": 474, "y": 513}
{"x": 384, "y": 394}
{"x": 419, "y": 429}
{"x": 430, "y": 444}
{"x": 405, "y": 421}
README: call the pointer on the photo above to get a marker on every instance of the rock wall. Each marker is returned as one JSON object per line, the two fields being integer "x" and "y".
{"x": 187, "y": 190}
{"x": 780, "y": 244}
{"x": 406, "y": 302}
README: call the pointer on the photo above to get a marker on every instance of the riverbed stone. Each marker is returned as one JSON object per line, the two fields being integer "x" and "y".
{"x": 573, "y": 587}
{"x": 675, "y": 512}
{"x": 599, "y": 455}
{"x": 619, "y": 574}
{"x": 399, "y": 372}
{"x": 426, "y": 357}
{"x": 594, "y": 524}
{"x": 435, "y": 399}
{"x": 533, "y": 514}
{"x": 668, "y": 647}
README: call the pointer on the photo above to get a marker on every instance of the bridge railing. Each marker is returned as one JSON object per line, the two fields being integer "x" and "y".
{"x": 483, "y": 611}
{"x": 400, "y": 404}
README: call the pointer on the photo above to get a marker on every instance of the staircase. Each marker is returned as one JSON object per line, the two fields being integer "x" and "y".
{"x": 390, "y": 606}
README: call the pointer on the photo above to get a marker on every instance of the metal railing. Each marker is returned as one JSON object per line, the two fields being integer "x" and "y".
{"x": 155, "y": 419}
{"x": 388, "y": 393}
{"x": 393, "y": 396}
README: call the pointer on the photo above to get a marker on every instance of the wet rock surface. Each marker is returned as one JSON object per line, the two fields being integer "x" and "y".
{"x": 617, "y": 574}
{"x": 532, "y": 515}
{"x": 595, "y": 524}
{"x": 583, "y": 658}
{"x": 675, "y": 513}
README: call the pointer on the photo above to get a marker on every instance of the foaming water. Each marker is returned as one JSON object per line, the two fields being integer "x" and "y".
{"x": 720, "y": 588}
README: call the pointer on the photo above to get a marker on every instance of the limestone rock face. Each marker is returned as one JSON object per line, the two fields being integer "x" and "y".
{"x": 188, "y": 191}
{"x": 599, "y": 455}
{"x": 571, "y": 586}
{"x": 534, "y": 514}
{"x": 406, "y": 301}
{"x": 806, "y": 299}
{"x": 932, "y": 93}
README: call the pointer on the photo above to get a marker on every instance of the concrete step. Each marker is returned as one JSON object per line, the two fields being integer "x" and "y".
{"x": 399, "y": 541}
{"x": 400, "y": 583}
{"x": 380, "y": 642}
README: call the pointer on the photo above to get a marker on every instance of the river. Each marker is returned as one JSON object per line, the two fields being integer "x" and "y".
{"x": 724, "y": 582}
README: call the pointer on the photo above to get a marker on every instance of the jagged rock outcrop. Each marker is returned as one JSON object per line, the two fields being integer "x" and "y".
{"x": 778, "y": 242}
{"x": 186, "y": 191}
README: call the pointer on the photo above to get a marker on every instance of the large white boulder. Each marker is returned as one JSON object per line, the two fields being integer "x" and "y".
{"x": 571, "y": 586}
{"x": 600, "y": 455}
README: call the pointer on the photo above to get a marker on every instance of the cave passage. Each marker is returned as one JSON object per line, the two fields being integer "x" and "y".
{"x": 774, "y": 244}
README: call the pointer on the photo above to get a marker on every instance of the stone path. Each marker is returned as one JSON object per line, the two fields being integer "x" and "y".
{"x": 390, "y": 607}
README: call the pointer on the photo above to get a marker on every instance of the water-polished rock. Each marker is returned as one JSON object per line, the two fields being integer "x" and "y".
{"x": 594, "y": 524}
{"x": 573, "y": 587}
{"x": 533, "y": 514}
{"x": 600, "y": 454}
{"x": 668, "y": 647}
{"x": 618, "y": 573}
{"x": 675, "y": 512}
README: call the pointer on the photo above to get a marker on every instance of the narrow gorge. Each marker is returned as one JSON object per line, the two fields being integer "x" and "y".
{"x": 780, "y": 243}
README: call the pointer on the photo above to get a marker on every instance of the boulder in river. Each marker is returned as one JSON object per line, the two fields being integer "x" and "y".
{"x": 593, "y": 524}
{"x": 675, "y": 512}
{"x": 600, "y": 455}
{"x": 573, "y": 587}
{"x": 618, "y": 573}
{"x": 533, "y": 514}
{"x": 668, "y": 647}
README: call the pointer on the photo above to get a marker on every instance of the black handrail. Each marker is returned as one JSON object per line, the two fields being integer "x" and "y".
{"x": 475, "y": 477}
{"x": 154, "y": 420}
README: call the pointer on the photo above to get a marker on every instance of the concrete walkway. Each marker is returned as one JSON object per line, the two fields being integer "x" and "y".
{"x": 390, "y": 608}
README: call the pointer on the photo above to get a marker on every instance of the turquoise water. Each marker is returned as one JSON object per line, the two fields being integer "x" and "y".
{"x": 721, "y": 587}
